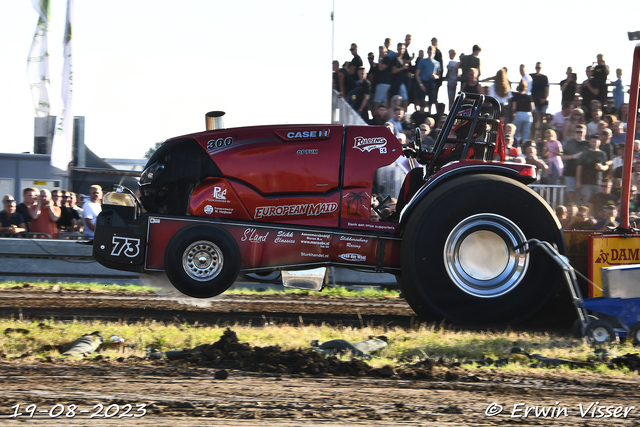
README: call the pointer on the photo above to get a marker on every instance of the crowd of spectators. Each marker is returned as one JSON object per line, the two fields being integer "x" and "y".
{"x": 578, "y": 144}
{"x": 50, "y": 214}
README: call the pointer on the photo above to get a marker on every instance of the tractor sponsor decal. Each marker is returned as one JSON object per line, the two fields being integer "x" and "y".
{"x": 214, "y": 144}
{"x": 616, "y": 256}
{"x": 369, "y": 144}
{"x": 353, "y": 257}
{"x": 357, "y": 202}
{"x": 208, "y": 209}
{"x": 308, "y": 209}
{"x": 252, "y": 235}
{"x": 310, "y": 151}
{"x": 223, "y": 211}
{"x": 354, "y": 242}
{"x": 219, "y": 193}
{"x": 284, "y": 237}
{"x": 307, "y": 134}
{"x": 128, "y": 246}
{"x": 322, "y": 240}
{"x": 314, "y": 255}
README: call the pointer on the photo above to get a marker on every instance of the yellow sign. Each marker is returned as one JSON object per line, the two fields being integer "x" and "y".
{"x": 605, "y": 251}
{"x": 39, "y": 182}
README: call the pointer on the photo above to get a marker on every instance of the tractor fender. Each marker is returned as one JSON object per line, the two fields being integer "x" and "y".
{"x": 458, "y": 170}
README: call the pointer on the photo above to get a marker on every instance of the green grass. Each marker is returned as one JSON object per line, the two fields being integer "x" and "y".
{"x": 77, "y": 286}
{"x": 332, "y": 292}
{"x": 404, "y": 345}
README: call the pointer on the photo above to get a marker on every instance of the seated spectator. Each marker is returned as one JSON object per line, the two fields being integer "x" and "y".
{"x": 563, "y": 215}
{"x": 569, "y": 128}
{"x": 561, "y": 117}
{"x": 606, "y": 197}
{"x": 609, "y": 219}
{"x": 379, "y": 115}
{"x": 582, "y": 220}
{"x": 615, "y": 170}
{"x": 427, "y": 141}
{"x": 44, "y": 215}
{"x": 531, "y": 158}
{"x": 513, "y": 154}
{"x": 10, "y": 220}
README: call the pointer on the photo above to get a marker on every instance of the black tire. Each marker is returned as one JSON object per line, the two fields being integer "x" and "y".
{"x": 633, "y": 335}
{"x": 442, "y": 238}
{"x": 600, "y": 332}
{"x": 576, "y": 329}
{"x": 217, "y": 265}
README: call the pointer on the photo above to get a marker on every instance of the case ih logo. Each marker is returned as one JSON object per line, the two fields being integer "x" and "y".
{"x": 305, "y": 209}
{"x": 368, "y": 144}
{"x": 353, "y": 257}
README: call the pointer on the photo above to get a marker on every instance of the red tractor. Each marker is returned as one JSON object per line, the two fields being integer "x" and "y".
{"x": 300, "y": 197}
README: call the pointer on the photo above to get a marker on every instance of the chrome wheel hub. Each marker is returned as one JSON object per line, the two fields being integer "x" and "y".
{"x": 480, "y": 255}
{"x": 202, "y": 260}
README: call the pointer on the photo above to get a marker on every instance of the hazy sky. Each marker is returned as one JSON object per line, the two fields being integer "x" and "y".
{"x": 149, "y": 70}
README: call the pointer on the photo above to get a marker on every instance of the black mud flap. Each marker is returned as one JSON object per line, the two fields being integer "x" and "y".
{"x": 117, "y": 245}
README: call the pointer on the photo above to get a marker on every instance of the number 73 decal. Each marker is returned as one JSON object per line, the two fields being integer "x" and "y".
{"x": 129, "y": 245}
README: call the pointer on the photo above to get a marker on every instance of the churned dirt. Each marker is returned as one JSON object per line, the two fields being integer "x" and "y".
{"x": 230, "y": 383}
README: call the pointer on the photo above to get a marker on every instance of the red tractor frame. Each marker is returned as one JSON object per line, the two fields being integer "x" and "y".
{"x": 299, "y": 197}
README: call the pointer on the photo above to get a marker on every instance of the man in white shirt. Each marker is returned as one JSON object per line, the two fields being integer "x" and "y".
{"x": 92, "y": 209}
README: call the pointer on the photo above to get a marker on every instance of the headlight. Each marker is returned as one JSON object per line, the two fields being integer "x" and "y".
{"x": 150, "y": 173}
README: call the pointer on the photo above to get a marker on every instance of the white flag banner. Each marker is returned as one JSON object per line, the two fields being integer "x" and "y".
{"x": 62, "y": 146}
{"x": 38, "y": 61}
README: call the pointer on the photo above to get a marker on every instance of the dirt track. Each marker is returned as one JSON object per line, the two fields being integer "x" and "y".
{"x": 294, "y": 392}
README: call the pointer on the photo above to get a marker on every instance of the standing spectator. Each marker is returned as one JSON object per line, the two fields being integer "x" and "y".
{"x": 572, "y": 150}
{"x": 501, "y": 91}
{"x": 383, "y": 79}
{"x": 347, "y": 82}
{"x": 356, "y": 61}
{"x": 437, "y": 55}
{"x": 568, "y": 86}
{"x": 561, "y": 117}
{"x": 427, "y": 73}
{"x": 373, "y": 70}
{"x": 609, "y": 107}
{"x": 92, "y": 209}
{"x": 609, "y": 219}
{"x": 600, "y": 74}
{"x": 618, "y": 133}
{"x": 618, "y": 90}
{"x": 589, "y": 91}
{"x": 606, "y": 145}
{"x": 570, "y": 126}
{"x": 521, "y": 107}
{"x": 553, "y": 152}
{"x": 589, "y": 170}
{"x": 468, "y": 62}
{"x": 531, "y": 158}
{"x": 623, "y": 115}
{"x": 29, "y": 198}
{"x": 452, "y": 76}
{"x": 527, "y": 78}
{"x": 387, "y": 44}
{"x": 540, "y": 94}
{"x": 398, "y": 74}
{"x": 596, "y": 118}
{"x": 10, "y": 220}
{"x": 69, "y": 219}
{"x": 336, "y": 77}
{"x": 73, "y": 200}
{"x": 359, "y": 98}
{"x": 617, "y": 163}
{"x": 472, "y": 85}
{"x": 44, "y": 215}
{"x": 55, "y": 198}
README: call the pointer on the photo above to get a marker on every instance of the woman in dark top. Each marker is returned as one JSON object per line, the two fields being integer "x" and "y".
{"x": 472, "y": 85}
{"x": 522, "y": 106}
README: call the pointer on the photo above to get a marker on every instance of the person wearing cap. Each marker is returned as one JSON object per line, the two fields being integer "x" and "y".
{"x": 10, "y": 221}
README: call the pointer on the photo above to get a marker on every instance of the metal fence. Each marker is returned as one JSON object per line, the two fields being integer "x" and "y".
{"x": 553, "y": 194}
{"x": 341, "y": 111}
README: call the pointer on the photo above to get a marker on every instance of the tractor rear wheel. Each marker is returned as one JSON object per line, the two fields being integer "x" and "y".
{"x": 460, "y": 255}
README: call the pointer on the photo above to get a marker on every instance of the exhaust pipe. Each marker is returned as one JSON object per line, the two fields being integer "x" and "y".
{"x": 213, "y": 120}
